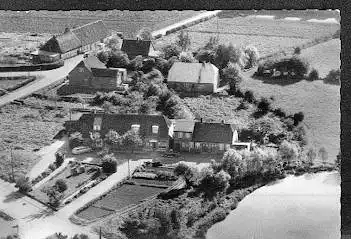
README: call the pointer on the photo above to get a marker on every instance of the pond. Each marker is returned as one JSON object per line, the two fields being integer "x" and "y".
{"x": 305, "y": 207}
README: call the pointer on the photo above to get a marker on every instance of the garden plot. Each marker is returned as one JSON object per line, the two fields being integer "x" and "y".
{"x": 74, "y": 182}
{"x": 117, "y": 199}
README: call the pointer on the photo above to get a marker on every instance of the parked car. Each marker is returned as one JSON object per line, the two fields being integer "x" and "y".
{"x": 81, "y": 150}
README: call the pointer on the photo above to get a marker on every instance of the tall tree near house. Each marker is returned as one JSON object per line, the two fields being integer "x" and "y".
{"x": 131, "y": 140}
{"x": 113, "y": 138}
{"x": 183, "y": 41}
{"x": 113, "y": 43}
{"x": 186, "y": 172}
{"x": 145, "y": 34}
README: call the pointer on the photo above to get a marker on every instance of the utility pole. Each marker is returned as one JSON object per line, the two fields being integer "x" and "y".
{"x": 100, "y": 236}
{"x": 12, "y": 169}
{"x": 128, "y": 169}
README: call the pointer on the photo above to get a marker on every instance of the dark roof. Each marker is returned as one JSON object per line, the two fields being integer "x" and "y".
{"x": 122, "y": 123}
{"x": 108, "y": 72}
{"x": 93, "y": 62}
{"x": 77, "y": 37}
{"x": 135, "y": 48}
{"x": 91, "y": 32}
{"x": 183, "y": 125}
{"x": 213, "y": 132}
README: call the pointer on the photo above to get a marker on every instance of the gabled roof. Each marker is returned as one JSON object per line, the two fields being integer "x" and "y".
{"x": 192, "y": 72}
{"x": 108, "y": 72}
{"x": 123, "y": 122}
{"x": 77, "y": 37}
{"x": 183, "y": 125}
{"x": 93, "y": 62}
{"x": 213, "y": 132}
{"x": 135, "y": 48}
{"x": 91, "y": 32}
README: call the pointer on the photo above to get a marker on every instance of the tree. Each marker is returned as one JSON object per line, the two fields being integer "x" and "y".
{"x": 226, "y": 54}
{"x": 145, "y": 34}
{"x": 289, "y": 152}
{"x": 131, "y": 140}
{"x": 252, "y": 56}
{"x": 297, "y": 50}
{"x": 187, "y": 173}
{"x": 212, "y": 43}
{"x": 113, "y": 43}
{"x": 170, "y": 51}
{"x": 103, "y": 56}
{"x": 80, "y": 236}
{"x": 264, "y": 105}
{"x": 311, "y": 156}
{"x": 60, "y": 157}
{"x": 136, "y": 64}
{"x": 109, "y": 164}
{"x": 118, "y": 59}
{"x": 54, "y": 196}
{"x": 263, "y": 127}
{"x": 113, "y": 138}
{"x": 232, "y": 163}
{"x": 23, "y": 184}
{"x": 204, "y": 56}
{"x": 152, "y": 76}
{"x": 183, "y": 41}
{"x": 298, "y": 117}
{"x": 149, "y": 105}
{"x": 249, "y": 96}
{"x": 61, "y": 185}
{"x": 231, "y": 75}
{"x": 212, "y": 184}
{"x": 313, "y": 75}
{"x": 186, "y": 56}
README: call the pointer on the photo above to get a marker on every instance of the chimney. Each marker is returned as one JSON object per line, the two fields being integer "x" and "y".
{"x": 222, "y": 122}
{"x": 200, "y": 120}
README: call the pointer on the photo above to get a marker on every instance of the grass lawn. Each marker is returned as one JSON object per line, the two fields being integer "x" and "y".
{"x": 268, "y": 35}
{"x": 119, "y": 198}
{"x": 319, "y": 101}
{"x": 73, "y": 183}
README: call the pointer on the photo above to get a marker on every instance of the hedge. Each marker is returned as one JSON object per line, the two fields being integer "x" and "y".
{"x": 36, "y": 67}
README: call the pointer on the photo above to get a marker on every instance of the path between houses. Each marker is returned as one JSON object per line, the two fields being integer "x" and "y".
{"x": 49, "y": 78}
{"x": 47, "y": 155}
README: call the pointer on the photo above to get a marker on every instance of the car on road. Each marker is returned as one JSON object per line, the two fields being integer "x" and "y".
{"x": 81, "y": 150}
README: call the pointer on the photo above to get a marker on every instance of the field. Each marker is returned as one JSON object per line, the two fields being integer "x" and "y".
{"x": 8, "y": 84}
{"x": 268, "y": 35}
{"x": 320, "y": 102}
{"x": 119, "y": 198}
{"x": 128, "y": 22}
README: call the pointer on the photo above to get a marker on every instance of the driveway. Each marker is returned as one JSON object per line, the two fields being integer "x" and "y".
{"x": 49, "y": 77}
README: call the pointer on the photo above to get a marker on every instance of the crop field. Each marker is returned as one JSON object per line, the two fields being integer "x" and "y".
{"x": 119, "y": 198}
{"x": 268, "y": 35}
{"x": 320, "y": 102}
{"x": 128, "y": 22}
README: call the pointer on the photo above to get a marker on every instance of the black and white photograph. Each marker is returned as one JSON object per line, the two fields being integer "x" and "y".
{"x": 174, "y": 124}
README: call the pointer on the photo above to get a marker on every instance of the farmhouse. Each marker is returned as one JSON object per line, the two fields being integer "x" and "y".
{"x": 155, "y": 130}
{"x": 138, "y": 47}
{"x": 92, "y": 75}
{"x": 72, "y": 42}
{"x": 198, "y": 136}
{"x": 193, "y": 78}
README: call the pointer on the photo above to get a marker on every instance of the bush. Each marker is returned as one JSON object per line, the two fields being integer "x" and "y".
{"x": 23, "y": 184}
{"x": 289, "y": 152}
{"x": 204, "y": 56}
{"x": 249, "y": 96}
{"x": 231, "y": 75}
{"x": 213, "y": 183}
{"x": 333, "y": 77}
{"x": 226, "y": 54}
{"x": 61, "y": 185}
{"x": 252, "y": 56}
{"x": 298, "y": 117}
{"x": 279, "y": 112}
{"x": 313, "y": 75}
{"x": 170, "y": 51}
{"x": 297, "y": 51}
{"x": 118, "y": 59}
{"x": 109, "y": 164}
{"x": 52, "y": 167}
{"x": 264, "y": 105}
{"x": 186, "y": 56}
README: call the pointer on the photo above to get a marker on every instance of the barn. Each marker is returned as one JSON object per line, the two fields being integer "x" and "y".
{"x": 73, "y": 42}
{"x": 193, "y": 78}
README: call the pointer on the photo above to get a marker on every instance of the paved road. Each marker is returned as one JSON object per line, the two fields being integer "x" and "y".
{"x": 49, "y": 77}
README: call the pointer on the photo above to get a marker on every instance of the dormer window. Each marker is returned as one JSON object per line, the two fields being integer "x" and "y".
{"x": 135, "y": 128}
{"x": 97, "y": 123}
{"x": 155, "y": 129}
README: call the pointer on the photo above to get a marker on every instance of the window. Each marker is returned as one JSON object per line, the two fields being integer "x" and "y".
{"x": 197, "y": 145}
{"x": 97, "y": 123}
{"x": 180, "y": 135}
{"x": 135, "y": 128}
{"x": 188, "y": 135}
{"x": 155, "y": 129}
{"x": 97, "y": 127}
{"x": 221, "y": 146}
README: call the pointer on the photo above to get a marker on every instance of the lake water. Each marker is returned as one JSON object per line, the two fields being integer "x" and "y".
{"x": 304, "y": 207}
